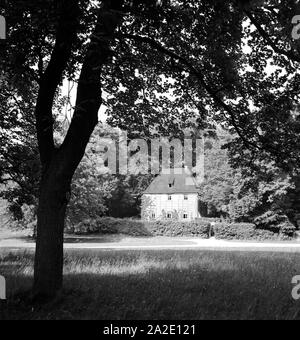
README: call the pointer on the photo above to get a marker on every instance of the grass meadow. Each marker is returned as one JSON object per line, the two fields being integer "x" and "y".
{"x": 152, "y": 285}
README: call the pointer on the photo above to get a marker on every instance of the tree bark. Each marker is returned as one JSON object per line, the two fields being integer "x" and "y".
{"x": 59, "y": 165}
{"x": 50, "y": 229}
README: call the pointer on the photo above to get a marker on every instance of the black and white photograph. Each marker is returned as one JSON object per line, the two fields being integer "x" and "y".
{"x": 149, "y": 163}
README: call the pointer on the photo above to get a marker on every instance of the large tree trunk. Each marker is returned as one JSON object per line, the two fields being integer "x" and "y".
{"x": 54, "y": 194}
{"x": 52, "y": 204}
{"x": 60, "y": 164}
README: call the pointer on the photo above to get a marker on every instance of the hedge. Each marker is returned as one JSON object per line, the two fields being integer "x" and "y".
{"x": 276, "y": 222}
{"x": 131, "y": 227}
{"x": 176, "y": 228}
{"x": 247, "y": 231}
{"x": 198, "y": 228}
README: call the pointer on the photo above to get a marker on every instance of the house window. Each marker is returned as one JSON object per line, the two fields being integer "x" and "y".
{"x": 186, "y": 197}
{"x": 169, "y": 198}
{"x": 169, "y": 215}
{"x": 153, "y": 215}
{"x": 185, "y": 216}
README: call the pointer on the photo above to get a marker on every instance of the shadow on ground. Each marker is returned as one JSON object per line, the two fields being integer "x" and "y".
{"x": 93, "y": 239}
{"x": 174, "y": 285}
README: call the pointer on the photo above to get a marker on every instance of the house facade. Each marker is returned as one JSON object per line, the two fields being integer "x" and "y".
{"x": 172, "y": 196}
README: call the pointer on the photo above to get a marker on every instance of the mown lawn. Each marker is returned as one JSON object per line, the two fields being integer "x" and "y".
{"x": 166, "y": 284}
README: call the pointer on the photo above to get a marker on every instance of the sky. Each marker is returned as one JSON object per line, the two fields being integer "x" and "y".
{"x": 70, "y": 89}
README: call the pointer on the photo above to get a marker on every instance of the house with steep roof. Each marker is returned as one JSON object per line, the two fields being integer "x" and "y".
{"x": 172, "y": 196}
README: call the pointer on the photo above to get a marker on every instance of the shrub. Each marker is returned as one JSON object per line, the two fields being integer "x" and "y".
{"x": 287, "y": 229}
{"x": 198, "y": 228}
{"x": 29, "y": 220}
{"x": 238, "y": 231}
{"x": 87, "y": 226}
{"x": 177, "y": 228}
{"x": 277, "y": 223}
{"x": 131, "y": 227}
{"x": 109, "y": 225}
{"x": 247, "y": 231}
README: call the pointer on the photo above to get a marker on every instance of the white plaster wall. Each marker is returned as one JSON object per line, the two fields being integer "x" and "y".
{"x": 160, "y": 202}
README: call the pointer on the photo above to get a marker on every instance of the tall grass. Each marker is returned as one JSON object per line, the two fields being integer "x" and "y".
{"x": 166, "y": 284}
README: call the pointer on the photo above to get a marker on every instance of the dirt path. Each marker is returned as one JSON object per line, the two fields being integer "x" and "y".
{"x": 158, "y": 243}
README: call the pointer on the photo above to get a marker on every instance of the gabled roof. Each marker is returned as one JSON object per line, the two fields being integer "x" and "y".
{"x": 173, "y": 183}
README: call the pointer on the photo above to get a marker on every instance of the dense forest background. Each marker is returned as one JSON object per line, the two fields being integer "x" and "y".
{"x": 228, "y": 192}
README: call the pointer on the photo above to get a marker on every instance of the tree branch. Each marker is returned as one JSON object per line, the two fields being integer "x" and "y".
{"x": 65, "y": 36}
{"x": 89, "y": 94}
{"x": 289, "y": 54}
{"x": 199, "y": 76}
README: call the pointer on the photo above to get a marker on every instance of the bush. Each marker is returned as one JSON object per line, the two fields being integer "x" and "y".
{"x": 247, "y": 231}
{"x": 277, "y": 223}
{"x": 177, "y": 228}
{"x": 198, "y": 228}
{"x": 88, "y": 226}
{"x": 131, "y": 227}
{"x": 238, "y": 231}
{"x": 29, "y": 220}
{"x": 287, "y": 230}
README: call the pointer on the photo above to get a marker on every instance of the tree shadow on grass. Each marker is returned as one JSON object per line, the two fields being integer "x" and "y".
{"x": 176, "y": 286}
{"x": 94, "y": 238}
